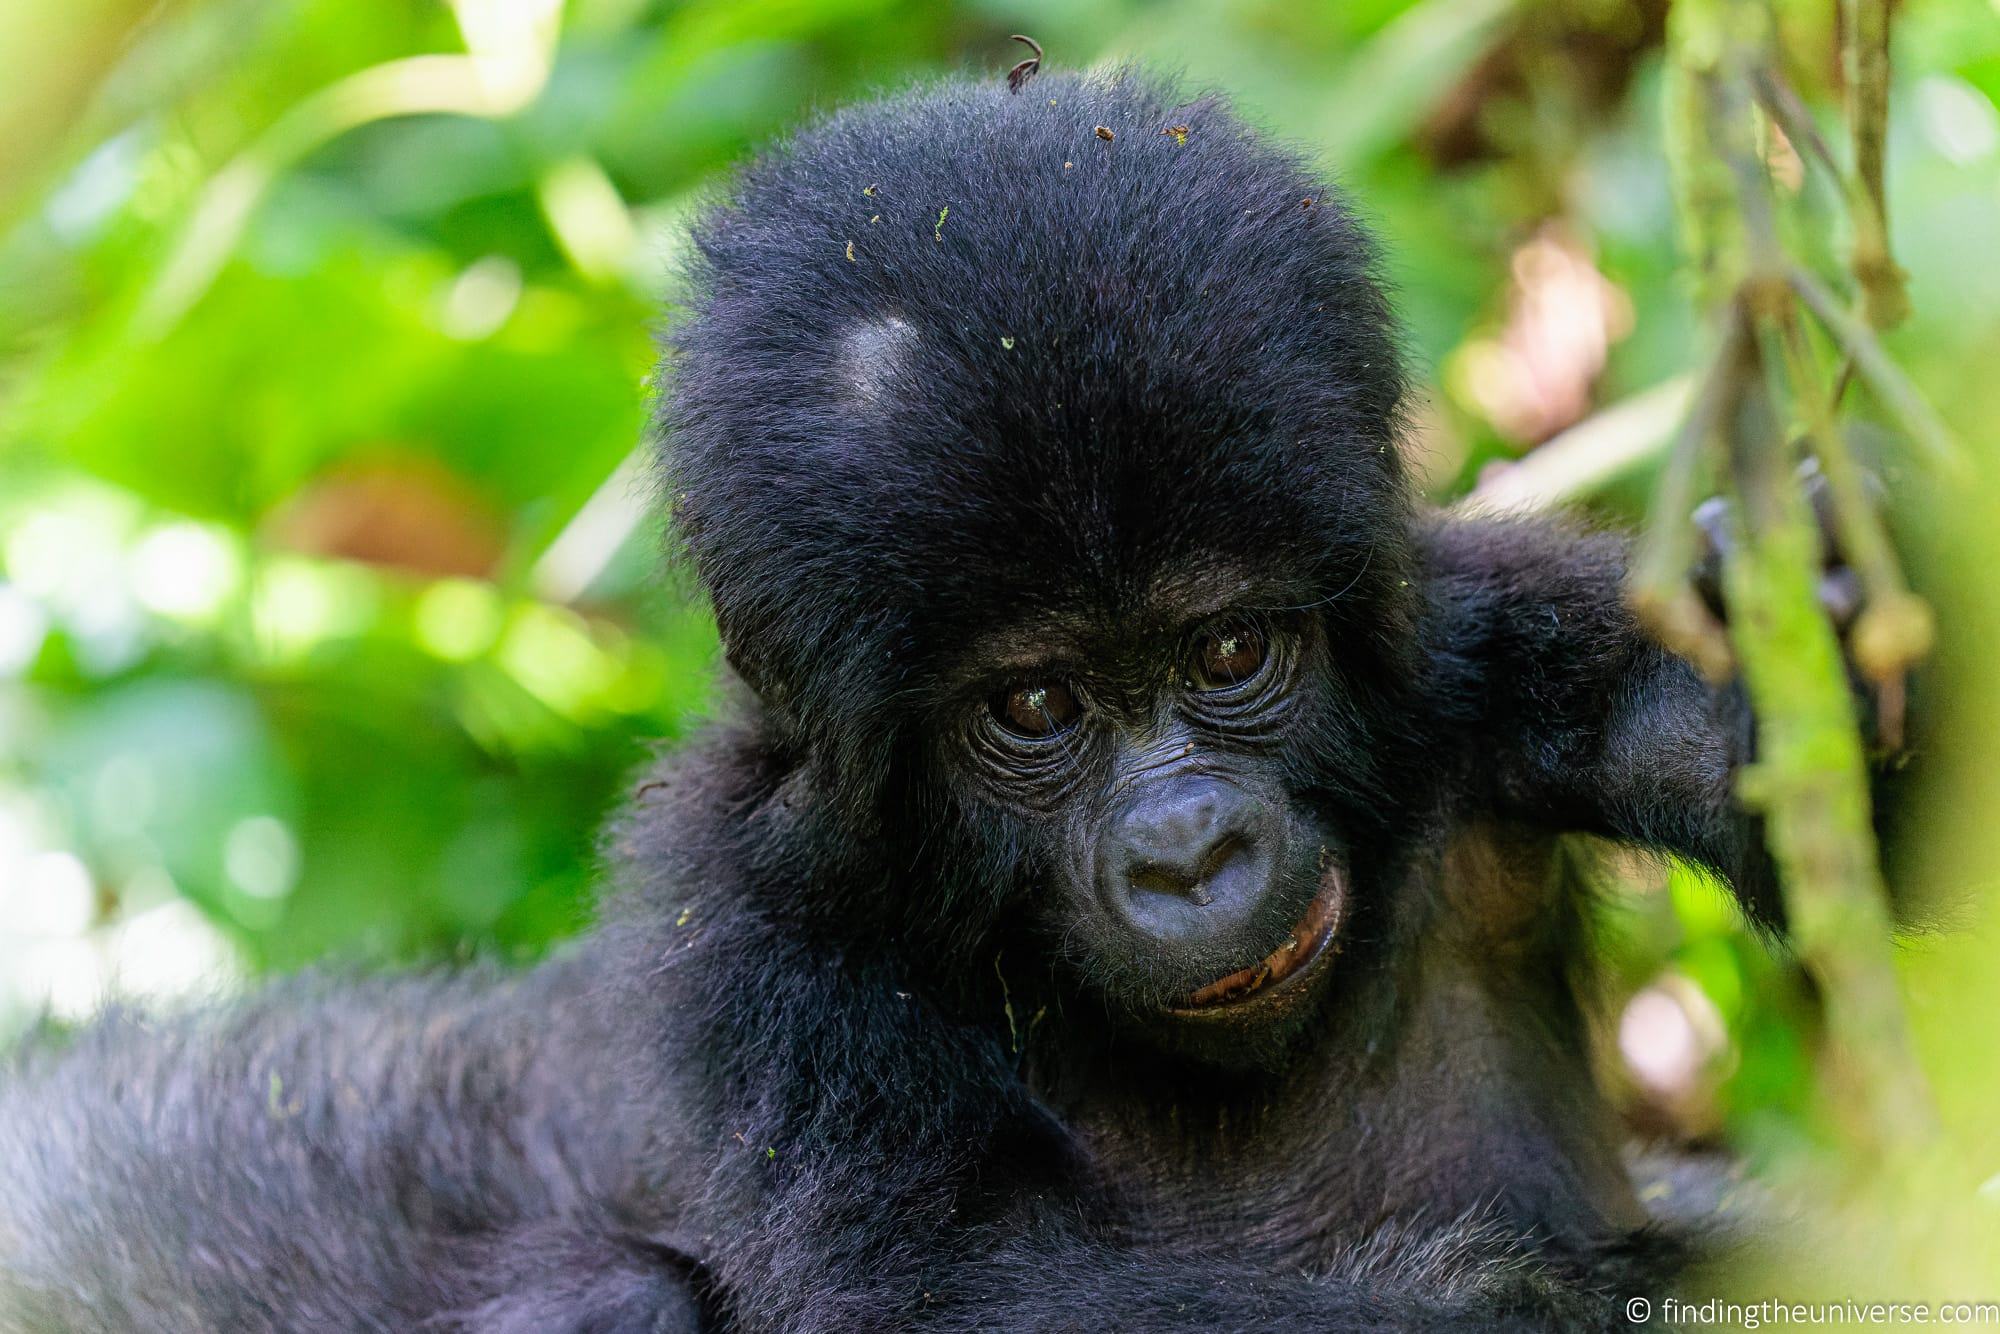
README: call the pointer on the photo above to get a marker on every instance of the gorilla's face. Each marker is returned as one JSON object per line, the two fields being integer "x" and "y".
{"x": 1158, "y": 768}
{"x": 1070, "y": 545}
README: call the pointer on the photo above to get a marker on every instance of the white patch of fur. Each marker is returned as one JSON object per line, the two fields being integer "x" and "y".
{"x": 874, "y": 354}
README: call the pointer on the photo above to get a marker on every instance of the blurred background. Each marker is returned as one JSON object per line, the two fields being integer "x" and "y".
{"x": 331, "y": 620}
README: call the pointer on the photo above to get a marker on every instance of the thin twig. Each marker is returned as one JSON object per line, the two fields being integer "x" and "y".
{"x": 1901, "y": 398}
{"x": 1657, "y": 586}
{"x": 1784, "y": 105}
{"x": 1733, "y": 135}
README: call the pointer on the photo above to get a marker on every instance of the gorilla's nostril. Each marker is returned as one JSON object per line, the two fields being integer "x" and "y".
{"x": 1226, "y": 849}
{"x": 1198, "y": 885}
{"x": 1150, "y": 877}
{"x": 1193, "y": 876}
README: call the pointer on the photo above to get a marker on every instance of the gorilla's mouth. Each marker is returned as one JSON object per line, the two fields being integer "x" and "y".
{"x": 1308, "y": 940}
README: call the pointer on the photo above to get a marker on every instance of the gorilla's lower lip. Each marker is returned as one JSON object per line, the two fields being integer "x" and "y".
{"x": 1308, "y": 940}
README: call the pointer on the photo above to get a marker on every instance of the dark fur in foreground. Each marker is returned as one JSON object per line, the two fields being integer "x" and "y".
{"x": 846, "y": 1053}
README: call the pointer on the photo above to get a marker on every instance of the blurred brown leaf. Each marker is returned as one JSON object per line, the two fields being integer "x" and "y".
{"x": 404, "y": 512}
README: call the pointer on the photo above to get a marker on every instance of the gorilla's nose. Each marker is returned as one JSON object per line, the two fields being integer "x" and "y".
{"x": 1186, "y": 857}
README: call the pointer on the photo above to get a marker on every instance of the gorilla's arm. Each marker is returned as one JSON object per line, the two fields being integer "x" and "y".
{"x": 1576, "y": 717}
{"x": 357, "y": 1155}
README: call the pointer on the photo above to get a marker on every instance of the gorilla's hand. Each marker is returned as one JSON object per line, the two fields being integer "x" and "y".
{"x": 1882, "y": 700}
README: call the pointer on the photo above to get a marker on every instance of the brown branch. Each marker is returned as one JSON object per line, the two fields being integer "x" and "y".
{"x": 1865, "y": 63}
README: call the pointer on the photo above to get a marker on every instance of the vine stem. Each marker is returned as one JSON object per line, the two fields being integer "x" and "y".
{"x": 1865, "y": 63}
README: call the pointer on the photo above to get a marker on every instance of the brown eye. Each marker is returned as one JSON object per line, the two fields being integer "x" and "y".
{"x": 1227, "y": 657}
{"x": 1037, "y": 711}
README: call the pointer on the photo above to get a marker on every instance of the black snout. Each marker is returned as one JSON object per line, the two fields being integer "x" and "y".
{"x": 1187, "y": 858}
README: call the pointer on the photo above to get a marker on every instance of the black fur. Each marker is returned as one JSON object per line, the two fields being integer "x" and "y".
{"x": 842, "y": 1054}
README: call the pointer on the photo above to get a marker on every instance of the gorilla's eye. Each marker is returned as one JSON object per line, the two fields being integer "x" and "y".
{"x": 1227, "y": 655}
{"x": 1037, "y": 711}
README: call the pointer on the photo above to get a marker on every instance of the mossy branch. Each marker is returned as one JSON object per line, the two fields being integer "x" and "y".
{"x": 1811, "y": 779}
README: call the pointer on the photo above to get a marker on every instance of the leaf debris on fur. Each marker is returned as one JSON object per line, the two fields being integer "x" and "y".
{"x": 1018, "y": 76}
{"x": 1007, "y": 1005}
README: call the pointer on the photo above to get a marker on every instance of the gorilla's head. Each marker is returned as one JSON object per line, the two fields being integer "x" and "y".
{"x": 1038, "y": 454}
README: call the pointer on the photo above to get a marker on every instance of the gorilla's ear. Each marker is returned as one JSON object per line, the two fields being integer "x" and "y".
{"x": 840, "y": 748}
{"x": 750, "y": 667}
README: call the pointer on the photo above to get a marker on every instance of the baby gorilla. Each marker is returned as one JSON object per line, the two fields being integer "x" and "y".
{"x": 1121, "y": 892}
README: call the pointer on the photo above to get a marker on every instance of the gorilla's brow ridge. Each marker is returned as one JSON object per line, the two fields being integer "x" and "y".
{"x": 1169, "y": 604}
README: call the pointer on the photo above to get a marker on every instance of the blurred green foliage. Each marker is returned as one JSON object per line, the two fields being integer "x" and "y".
{"x": 329, "y": 603}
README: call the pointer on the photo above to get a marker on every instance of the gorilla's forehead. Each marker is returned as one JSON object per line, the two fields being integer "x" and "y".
{"x": 963, "y": 367}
